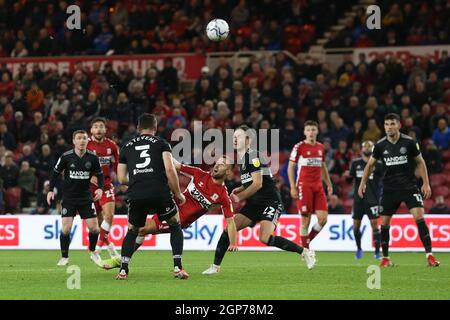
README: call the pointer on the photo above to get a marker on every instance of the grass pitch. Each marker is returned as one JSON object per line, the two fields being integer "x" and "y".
{"x": 244, "y": 275}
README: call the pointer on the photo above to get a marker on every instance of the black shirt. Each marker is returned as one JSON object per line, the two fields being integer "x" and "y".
{"x": 77, "y": 175}
{"x": 398, "y": 161}
{"x": 373, "y": 185}
{"x": 146, "y": 171}
{"x": 251, "y": 162}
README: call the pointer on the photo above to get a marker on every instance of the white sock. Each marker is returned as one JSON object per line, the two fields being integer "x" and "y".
{"x": 105, "y": 226}
{"x": 317, "y": 227}
{"x": 303, "y": 231}
{"x": 428, "y": 254}
{"x": 216, "y": 266}
{"x": 140, "y": 239}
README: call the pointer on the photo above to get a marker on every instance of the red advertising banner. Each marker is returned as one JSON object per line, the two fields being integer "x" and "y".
{"x": 9, "y": 232}
{"x": 188, "y": 65}
{"x": 118, "y": 232}
{"x": 404, "y": 232}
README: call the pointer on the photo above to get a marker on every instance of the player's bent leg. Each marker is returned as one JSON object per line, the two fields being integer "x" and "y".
{"x": 149, "y": 228}
{"x": 241, "y": 222}
{"x": 322, "y": 217}
{"x": 376, "y": 237}
{"x": 127, "y": 251}
{"x": 306, "y": 220}
{"x": 176, "y": 241}
{"x": 357, "y": 234}
{"x": 64, "y": 239}
{"x": 266, "y": 236}
{"x": 108, "y": 216}
{"x": 424, "y": 234}
{"x": 92, "y": 225}
{"x": 385, "y": 236}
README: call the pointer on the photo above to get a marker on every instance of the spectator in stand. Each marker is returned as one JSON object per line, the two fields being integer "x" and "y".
{"x": 342, "y": 158}
{"x": 335, "y": 206}
{"x": 6, "y": 86}
{"x": 169, "y": 77}
{"x": 439, "y": 207}
{"x": 29, "y": 157}
{"x": 17, "y": 127}
{"x": 9, "y": 172}
{"x": 432, "y": 156}
{"x": 373, "y": 132}
{"x": 26, "y": 182}
{"x": 441, "y": 135}
{"x": 6, "y": 138}
{"x": 42, "y": 206}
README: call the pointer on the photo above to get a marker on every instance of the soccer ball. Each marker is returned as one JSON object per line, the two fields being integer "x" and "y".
{"x": 217, "y": 30}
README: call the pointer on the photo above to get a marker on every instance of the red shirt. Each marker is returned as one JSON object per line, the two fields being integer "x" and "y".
{"x": 202, "y": 193}
{"x": 108, "y": 154}
{"x": 309, "y": 159}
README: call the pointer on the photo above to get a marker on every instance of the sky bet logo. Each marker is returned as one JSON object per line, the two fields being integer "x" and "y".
{"x": 196, "y": 231}
{"x": 52, "y": 231}
{"x": 343, "y": 232}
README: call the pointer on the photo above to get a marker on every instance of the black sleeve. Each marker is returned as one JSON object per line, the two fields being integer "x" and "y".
{"x": 123, "y": 155}
{"x": 413, "y": 148}
{"x": 254, "y": 164}
{"x": 352, "y": 170}
{"x": 165, "y": 146}
{"x": 377, "y": 152}
{"x": 59, "y": 167}
{"x": 97, "y": 170}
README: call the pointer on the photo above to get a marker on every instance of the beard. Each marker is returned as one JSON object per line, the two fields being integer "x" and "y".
{"x": 218, "y": 175}
{"x": 367, "y": 154}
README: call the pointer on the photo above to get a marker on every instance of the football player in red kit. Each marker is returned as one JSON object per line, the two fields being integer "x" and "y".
{"x": 206, "y": 191}
{"x": 108, "y": 154}
{"x": 309, "y": 157}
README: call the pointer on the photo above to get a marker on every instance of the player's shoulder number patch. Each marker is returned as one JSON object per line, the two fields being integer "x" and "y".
{"x": 256, "y": 163}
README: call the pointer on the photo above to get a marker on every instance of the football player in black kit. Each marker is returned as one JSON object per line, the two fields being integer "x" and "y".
{"x": 146, "y": 167}
{"x": 369, "y": 205}
{"x": 400, "y": 157}
{"x": 263, "y": 203}
{"x": 78, "y": 164}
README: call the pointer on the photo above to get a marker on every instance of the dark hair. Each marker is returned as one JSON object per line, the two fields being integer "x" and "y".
{"x": 243, "y": 127}
{"x": 147, "y": 121}
{"x": 77, "y": 132}
{"x": 98, "y": 119}
{"x": 392, "y": 116}
{"x": 311, "y": 123}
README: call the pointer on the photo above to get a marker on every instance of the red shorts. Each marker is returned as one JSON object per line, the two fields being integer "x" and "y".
{"x": 311, "y": 198}
{"x": 108, "y": 196}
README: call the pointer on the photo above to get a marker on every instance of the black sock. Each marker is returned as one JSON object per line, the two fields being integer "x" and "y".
{"x": 385, "y": 240}
{"x": 64, "y": 240}
{"x": 357, "y": 234}
{"x": 284, "y": 244}
{"x": 128, "y": 248}
{"x": 176, "y": 241}
{"x": 93, "y": 237}
{"x": 221, "y": 249}
{"x": 376, "y": 240}
{"x": 424, "y": 234}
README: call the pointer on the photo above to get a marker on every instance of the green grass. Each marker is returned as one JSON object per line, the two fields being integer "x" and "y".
{"x": 245, "y": 275}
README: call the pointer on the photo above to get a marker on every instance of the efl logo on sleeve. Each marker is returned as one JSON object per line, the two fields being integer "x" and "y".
{"x": 9, "y": 232}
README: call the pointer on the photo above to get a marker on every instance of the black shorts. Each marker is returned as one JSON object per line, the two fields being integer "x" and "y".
{"x": 258, "y": 212}
{"x": 392, "y": 199}
{"x": 361, "y": 208}
{"x": 85, "y": 208}
{"x": 138, "y": 209}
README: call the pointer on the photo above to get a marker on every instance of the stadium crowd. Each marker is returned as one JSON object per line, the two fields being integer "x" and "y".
{"x": 40, "y": 110}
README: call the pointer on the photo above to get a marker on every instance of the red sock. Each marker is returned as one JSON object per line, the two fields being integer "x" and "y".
{"x": 305, "y": 242}
{"x": 103, "y": 238}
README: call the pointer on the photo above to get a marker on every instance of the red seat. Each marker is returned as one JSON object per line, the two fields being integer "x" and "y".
{"x": 403, "y": 209}
{"x": 428, "y": 203}
{"x": 12, "y": 198}
{"x": 438, "y": 179}
{"x": 447, "y": 167}
{"x": 441, "y": 191}
{"x": 446, "y": 156}
{"x": 335, "y": 178}
{"x": 111, "y": 127}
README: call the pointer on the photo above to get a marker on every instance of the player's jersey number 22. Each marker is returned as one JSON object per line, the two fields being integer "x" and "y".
{"x": 144, "y": 155}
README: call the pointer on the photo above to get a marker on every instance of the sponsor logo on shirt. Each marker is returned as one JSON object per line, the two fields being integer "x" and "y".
{"x": 104, "y": 161}
{"x": 198, "y": 196}
{"x": 79, "y": 175}
{"x": 246, "y": 177}
{"x": 137, "y": 171}
{"x": 395, "y": 161}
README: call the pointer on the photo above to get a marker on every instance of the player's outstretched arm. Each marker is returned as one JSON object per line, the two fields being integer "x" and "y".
{"x": 232, "y": 234}
{"x": 291, "y": 175}
{"x": 326, "y": 178}
{"x": 253, "y": 188}
{"x": 423, "y": 173}
{"x": 172, "y": 176}
{"x": 122, "y": 173}
{"x": 368, "y": 169}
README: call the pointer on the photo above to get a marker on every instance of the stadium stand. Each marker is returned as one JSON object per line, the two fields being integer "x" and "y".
{"x": 40, "y": 109}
